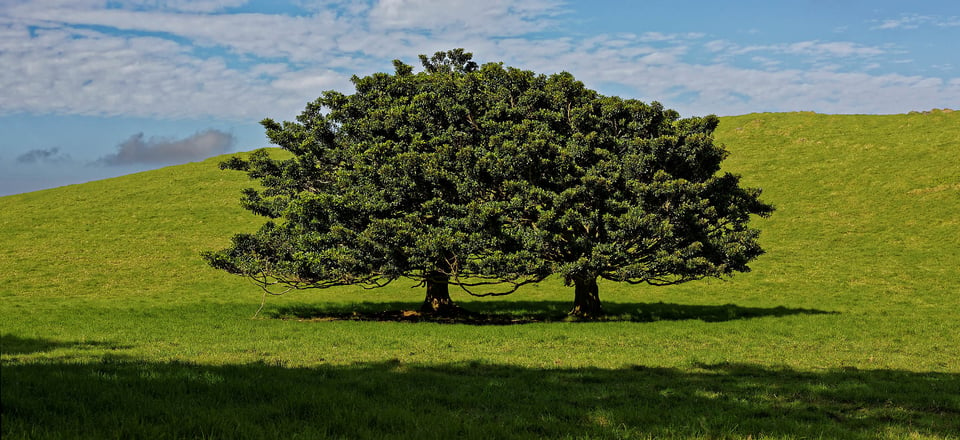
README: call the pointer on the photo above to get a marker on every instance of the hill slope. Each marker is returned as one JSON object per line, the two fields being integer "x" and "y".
{"x": 867, "y": 206}
{"x": 112, "y": 326}
{"x": 133, "y": 235}
{"x": 866, "y": 227}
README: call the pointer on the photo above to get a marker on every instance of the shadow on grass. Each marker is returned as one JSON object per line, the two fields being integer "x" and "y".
{"x": 14, "y": 345}
{"x": 527, "y": 312}
{"x": 135, "y": 399}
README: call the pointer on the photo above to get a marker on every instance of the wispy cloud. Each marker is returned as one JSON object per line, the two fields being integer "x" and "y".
{"x": 180, "y": 59}
{"x": 815, "y": 50}
{"x": 43, "y": 155}
{"x": 511, "y": 17}
{"x": 180, "y": 5}
{"x": 916, "y": 21}
{"x": 161, "y": 151}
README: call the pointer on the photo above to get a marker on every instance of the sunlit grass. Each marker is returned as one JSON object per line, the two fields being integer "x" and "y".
{"x": 112, "y": 326}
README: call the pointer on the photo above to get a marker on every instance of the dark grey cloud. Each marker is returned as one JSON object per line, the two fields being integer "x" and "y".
{"x": 44, "y": 155}
{"x": 158, "y": 151}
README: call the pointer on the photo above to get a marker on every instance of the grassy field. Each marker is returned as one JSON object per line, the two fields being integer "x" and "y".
{"x": 113, "y": 327}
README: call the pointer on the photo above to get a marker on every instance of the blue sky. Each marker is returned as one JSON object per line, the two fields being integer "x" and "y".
{"x": 91, "y": 89}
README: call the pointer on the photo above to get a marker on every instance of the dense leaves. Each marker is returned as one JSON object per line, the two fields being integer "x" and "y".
{"x": 470, "y": 175}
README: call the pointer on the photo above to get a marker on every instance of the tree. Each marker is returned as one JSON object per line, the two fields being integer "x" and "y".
{"x": 473, "y": 175}
{"x": 629, "y": 192}
{"x": 613, "y": 188}
{"x": 391, "y": 181}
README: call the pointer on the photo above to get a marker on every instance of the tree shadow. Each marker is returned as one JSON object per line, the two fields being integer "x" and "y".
{"x": 528, "y": 312}
{"x": 14, "y": 345}
{"x": 136, "y": 399}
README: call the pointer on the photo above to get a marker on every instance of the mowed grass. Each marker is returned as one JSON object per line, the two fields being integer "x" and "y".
{"x": 848, "y": 327}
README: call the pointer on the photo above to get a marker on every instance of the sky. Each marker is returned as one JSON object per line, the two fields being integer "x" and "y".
{"x": 91, "y": 89}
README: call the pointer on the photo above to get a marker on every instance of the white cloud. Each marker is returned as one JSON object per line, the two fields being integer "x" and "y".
{"x": 904, "y": 22}
{"x": 76, "y": 71}
{"x": 727, "y": 89}
{"x": 180, "y": 5}
{"x": 503, "y": 17}
{"x": 916, "y": 21}
{"x": 660, "y": 36}
{"x": 172, "y": 59}
{"x": 299, "y": 39}
{"x": 830, "y": 49}
{"x": 814, "y": 49}
{"x": 766, "y": 62}
{"x": 719, "y": 46}
{"x": 315, "y": 80}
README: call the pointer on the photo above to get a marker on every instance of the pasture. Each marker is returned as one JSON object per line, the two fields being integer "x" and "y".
{"x": 848, "y": 327}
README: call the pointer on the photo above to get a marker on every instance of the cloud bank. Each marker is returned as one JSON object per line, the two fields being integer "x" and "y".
{"x": 161, "y": 151}
{"x": 181, "y": 59}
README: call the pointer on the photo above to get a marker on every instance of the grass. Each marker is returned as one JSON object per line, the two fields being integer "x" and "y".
{"x": 113, "y": 327}
{"x": 478, "y": 400}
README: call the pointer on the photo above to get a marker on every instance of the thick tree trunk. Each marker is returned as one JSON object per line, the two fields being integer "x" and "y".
{"x": 438, "y": 299}
{"x": 586, "y": 300}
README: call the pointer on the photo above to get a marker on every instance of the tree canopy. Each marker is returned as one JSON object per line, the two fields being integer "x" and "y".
{"x": 480, "y": 175}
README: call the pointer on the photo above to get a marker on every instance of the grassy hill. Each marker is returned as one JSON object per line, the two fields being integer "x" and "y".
{"x": 847, "y": 327}
{"x": 133, "y": 236}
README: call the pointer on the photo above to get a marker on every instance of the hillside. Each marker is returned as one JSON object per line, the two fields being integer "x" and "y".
{"x": 867, "y": 206}
{"x": 111, "y": 326}
{"x": 866, "y": 209}
{"x": 131, "y": 236}
{"x": 866, "y": 225}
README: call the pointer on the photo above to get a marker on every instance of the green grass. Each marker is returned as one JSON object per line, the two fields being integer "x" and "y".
{"x": 112, "y": 326}
{"x": 477, "y": 400}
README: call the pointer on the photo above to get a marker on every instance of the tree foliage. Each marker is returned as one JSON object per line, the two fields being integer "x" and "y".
{"x": 394, "y": 180}
{"x": 635, "y": 195}
{"x": 479, "y": 175}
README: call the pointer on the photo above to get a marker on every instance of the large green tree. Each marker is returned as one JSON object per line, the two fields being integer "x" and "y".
{"x": 472, "y": 175}
{"x": 609, "y": 188}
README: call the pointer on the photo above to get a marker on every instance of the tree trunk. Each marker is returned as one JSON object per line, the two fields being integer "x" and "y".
{"x": 438, "y": 299}
{"x": 586, "y": 300}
